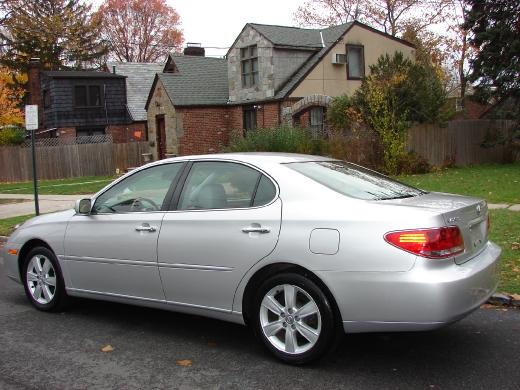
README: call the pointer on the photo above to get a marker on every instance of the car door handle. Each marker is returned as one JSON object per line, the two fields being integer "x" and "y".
{"x": 146, "y": 228}
{"x": 256, "y": 229}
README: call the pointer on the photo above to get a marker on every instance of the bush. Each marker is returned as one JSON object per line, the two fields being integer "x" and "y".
{"x": 411, "y": 163}
{"x": 12, "y": 135}
{"x": 278, "y": 139}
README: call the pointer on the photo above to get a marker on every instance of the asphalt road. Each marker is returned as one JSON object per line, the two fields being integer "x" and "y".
{"x": 63, "y": 351}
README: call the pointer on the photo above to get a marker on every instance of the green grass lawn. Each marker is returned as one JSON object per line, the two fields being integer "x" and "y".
{"x": 78, "y": 185}
{"x": 7, "y": 225}
{"x": 495, "y": 183}
{"x": 505, "y": 231}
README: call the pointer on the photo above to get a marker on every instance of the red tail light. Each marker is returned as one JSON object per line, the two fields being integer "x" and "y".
{"x": 437, "y": 243}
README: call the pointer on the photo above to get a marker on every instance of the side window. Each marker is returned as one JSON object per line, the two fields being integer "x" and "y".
{"x": 265, "y": 192}
{"x": 141, "y": 192}
{"x": 218, "y": 185}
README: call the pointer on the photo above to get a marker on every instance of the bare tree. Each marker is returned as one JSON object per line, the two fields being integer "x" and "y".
{"x": 140, "y": 31}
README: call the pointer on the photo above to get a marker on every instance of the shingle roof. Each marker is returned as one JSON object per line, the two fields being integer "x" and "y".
{"x": 139, "y": 79}
{"x": 200, "y": 81}
{"x": 58, "y": 74}
{"x": 289, "y": 36}
{"x": 330, "y": 36}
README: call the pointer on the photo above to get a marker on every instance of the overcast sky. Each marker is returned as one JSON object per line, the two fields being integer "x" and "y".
{"x": 217, "y": 23}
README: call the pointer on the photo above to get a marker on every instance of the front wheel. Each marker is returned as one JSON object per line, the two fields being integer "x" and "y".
{"x": 43, "y": 281}
{"x": 294, "y": 318}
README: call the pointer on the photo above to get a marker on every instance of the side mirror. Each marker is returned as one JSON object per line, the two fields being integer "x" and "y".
{"x": 83, "y": 206}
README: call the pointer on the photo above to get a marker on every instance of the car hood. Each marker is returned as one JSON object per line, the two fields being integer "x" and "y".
{"x": 60, "y": 216}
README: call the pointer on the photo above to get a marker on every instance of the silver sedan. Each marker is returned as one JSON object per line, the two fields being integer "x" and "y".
{"x": 300, "y": 248}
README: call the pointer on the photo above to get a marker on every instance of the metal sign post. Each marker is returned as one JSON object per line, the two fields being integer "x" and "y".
{"x": 31, "y": 124}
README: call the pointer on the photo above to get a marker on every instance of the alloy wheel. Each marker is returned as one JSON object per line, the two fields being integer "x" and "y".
{"x": 290, "y": 319}
{"x": 41, "y": 279}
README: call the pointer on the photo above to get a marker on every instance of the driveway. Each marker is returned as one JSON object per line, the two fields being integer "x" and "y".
{"x": 63, "y": 351}
{"x": 25, "y": 204}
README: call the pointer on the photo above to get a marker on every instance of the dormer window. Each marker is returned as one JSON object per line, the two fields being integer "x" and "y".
{"x": 249, "y": 65}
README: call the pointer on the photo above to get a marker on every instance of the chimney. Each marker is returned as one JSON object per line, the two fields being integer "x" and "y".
{"x": 33, "y": 81}
{"x": 194, "y": 49}
{"x": 34, "y": 89}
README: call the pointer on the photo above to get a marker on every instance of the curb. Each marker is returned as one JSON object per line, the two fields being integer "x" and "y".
{"x": 504, "y": 300}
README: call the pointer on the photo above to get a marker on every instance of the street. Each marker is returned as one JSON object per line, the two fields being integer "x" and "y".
{"x": 63, "y": 351}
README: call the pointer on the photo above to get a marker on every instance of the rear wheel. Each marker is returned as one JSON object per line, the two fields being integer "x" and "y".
{"x": 294, "y": 318}
{"x": 43, "y": 281}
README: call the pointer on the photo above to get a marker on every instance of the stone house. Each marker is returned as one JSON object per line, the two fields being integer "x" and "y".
{"x": 271, "y": 75}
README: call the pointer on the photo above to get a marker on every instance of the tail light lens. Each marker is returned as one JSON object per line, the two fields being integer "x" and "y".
{"x": 437, "y": 243}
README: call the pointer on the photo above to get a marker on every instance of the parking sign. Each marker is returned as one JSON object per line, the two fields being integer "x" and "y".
{"x": 31, "y": 117}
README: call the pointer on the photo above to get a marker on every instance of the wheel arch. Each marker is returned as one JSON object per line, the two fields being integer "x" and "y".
{"x": 26, "y": 248}
{"x": 274, "y": 268}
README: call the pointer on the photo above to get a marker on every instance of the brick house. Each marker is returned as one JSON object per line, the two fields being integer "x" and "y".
{"x": 86, "y": 103}
{"x": 271, "y": 75}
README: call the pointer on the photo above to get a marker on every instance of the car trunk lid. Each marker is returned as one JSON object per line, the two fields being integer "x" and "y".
{"x": 468, "y": 214}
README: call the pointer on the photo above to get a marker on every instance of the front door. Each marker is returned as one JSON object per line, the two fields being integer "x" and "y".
{"x": 227, "y": 218}
{"x": 161, "y": 137}
{"x": 114, "y": 250}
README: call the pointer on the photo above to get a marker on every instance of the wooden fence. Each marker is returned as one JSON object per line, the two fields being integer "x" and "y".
{"x": 459, "y": 142}
{"x": 70, "y": 160}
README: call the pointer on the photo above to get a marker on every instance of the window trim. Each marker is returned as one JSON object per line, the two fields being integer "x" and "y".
{"x": 167, "y": 198}
{"x": 362, "y": 47}
{"x": 249, "y": 59}
{"x": 87, "y": 91}
{"x": 249, "y": 109}
{"x": 182, "y": 182}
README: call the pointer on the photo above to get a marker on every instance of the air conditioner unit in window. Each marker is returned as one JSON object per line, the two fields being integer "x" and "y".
{"x": 339, "y": 59}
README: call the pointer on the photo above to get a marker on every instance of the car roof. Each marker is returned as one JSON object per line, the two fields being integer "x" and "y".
{"x": 254, "y": 157}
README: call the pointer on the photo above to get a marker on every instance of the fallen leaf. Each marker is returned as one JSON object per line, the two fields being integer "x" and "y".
{"x": 487, "y": 306}
{"x": 107, "y": 348}
{"x": 515, "y": 246}
{"x": 184, "y": 363}
{"x": 212, "y": 344}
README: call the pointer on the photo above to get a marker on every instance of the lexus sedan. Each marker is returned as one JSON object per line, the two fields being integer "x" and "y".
{"x": 300, "y": 248}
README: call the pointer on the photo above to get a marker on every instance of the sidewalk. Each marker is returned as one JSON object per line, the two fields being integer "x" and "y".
{"x": 48, "y": 204}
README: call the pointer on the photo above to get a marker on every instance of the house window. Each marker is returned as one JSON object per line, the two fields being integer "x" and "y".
{"x": 87, "y": 96}
{"x": 249, "y": 118}
{"x": 317, "y": 121}
{"x": 355, "y": 62}
{"x": 249, "y": 65}
{"x": 89, "y": 131}
{"x": 46, "y": 98}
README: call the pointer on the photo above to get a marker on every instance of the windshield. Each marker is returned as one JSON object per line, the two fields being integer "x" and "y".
{"x": 354, "y": 181}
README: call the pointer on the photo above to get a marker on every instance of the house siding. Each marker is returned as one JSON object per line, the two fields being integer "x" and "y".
{"x": 331, "y": 80}
{"x": 63, "y": 112}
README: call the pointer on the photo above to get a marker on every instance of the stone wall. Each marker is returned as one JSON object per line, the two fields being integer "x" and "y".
{"x": 266, "y": 87}
{"x": 160, "y": 104}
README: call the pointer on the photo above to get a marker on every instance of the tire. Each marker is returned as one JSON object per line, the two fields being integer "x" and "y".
{"x": 43, "y": 280}
{"x": 293, "y": 335}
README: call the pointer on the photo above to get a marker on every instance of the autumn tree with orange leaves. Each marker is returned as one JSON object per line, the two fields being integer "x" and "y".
{"x": 140, "y": 31}
{"x": 11, "y": 95}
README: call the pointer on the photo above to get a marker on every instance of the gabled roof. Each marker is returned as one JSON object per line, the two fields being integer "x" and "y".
{"x": 73, "y": 74}
{"x": 139, "y": 79}
{"x": 319, "y": 40}
{"x": 289, "y": 36}
{"x": 330, "y": 36}
{"x": 198, "y": 81}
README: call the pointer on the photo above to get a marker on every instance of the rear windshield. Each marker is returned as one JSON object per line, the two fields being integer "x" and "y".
{"x": 354, "y": 181}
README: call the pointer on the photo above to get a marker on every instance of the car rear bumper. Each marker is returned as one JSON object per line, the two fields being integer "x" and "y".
{"x": 429, "y": 296}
